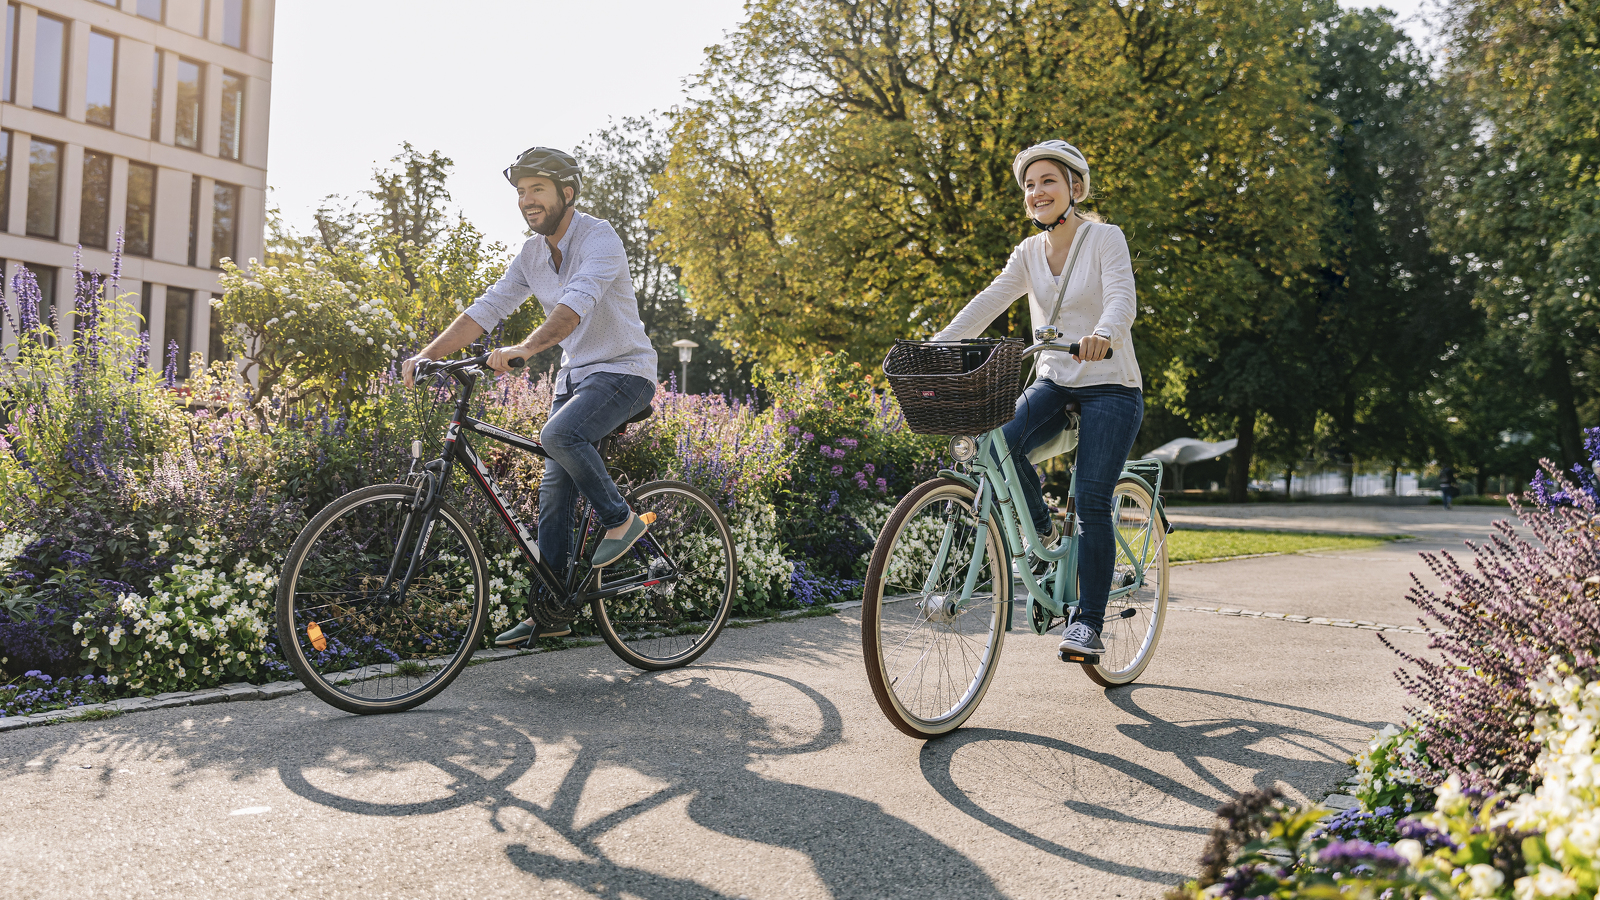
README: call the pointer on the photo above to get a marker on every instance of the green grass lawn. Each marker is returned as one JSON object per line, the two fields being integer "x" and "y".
{"x": 1188, "y": 546}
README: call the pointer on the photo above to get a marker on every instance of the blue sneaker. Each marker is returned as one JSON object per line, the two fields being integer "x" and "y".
{"x": 522, "y": 631}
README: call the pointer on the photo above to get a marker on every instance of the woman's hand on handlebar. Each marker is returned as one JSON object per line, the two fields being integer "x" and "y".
{"x": 504, "y": 359}
{"x": 1091, "y": 348}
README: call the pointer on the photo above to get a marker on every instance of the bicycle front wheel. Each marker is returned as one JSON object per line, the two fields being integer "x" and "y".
{"x": 663, "y": 604}
{"x": 930, "y": 657}
{"x": 1135, "y": 617}
{"x": 343, "y": 626}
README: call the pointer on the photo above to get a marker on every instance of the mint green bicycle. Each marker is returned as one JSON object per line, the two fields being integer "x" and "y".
{"x": 938, "y": 597}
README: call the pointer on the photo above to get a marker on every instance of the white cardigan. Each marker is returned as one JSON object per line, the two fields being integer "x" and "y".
{"x": 1100, "y": 296}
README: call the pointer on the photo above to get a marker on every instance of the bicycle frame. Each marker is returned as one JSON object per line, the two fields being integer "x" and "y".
{"x": 458, "y": 449}
{"x": 996, "y": 482}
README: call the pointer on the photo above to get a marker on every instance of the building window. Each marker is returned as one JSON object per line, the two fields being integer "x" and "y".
{"x": 50, "y": 65}
{"x": 102, "y": 87}
{"x": 152, "y": 9}
{"x": 145, "y": 296}
{"x": 234, "y": 13}
{"x": 11, "y": 52}
{"x": 232, "y": 114}
{"x": 5, "y": 181}
{"x": 44, "y": 188}
{"x": 139, "y": 227}
{"x": 180, "y": 325}
{"x": 191, "y": 92}
{"x": 215, "y": 350}
{"x": 94, "y": 228}
{"x": 155, "y": 97}
{"x": 194, "y": 220}
{"x": 224, "y": 223}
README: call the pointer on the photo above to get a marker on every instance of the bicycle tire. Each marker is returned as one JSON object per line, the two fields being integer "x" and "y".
{"x": 668, "y": 625}
{"x": 332, "y": 567}
{"x": 901, "y": 562}
{"x": 1139, "y": 615}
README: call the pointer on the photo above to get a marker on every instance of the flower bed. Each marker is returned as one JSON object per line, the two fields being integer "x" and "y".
{"x": 1492, "y": 789}
{"x": 143, "y": 525}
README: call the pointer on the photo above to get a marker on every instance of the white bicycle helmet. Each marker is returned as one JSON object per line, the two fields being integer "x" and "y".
{"x": 1065, "y": 154}
{"x": 1060, "y": 151}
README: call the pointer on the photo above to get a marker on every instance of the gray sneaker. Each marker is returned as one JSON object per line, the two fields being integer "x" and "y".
{"x": 1081, "y": 639}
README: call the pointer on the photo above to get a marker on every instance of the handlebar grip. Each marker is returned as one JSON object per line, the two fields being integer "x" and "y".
{"x": 516, "y": 363}
{"x": 1073, "y": 349}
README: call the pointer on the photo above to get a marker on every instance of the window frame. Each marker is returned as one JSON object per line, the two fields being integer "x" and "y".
{"x": 104, "y": 202}
{"x": 66, "y": 54}
{"x": 138, "y": 10}
{"x": 61, "y": 154}
{"x": 187, "y": 332}
{"x": 238, "y": 117}
{"x": 150, "y": 236}
{"x": 218, "y": 188}
{"x": 9, "y": 90}
{"x": 199, "y": 104}
{"x": 157, "y": 75}
{"x": 244, "y": 23}
{"x": 116, "y": 53}
{"x": 7, "y": 172}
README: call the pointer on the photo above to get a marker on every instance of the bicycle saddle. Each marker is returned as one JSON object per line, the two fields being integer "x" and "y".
{"x": 1072, "y": 406}
{"x": 639, "y": 416}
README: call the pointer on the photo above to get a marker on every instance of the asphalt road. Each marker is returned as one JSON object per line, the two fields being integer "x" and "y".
{"x": 766, "y": 771}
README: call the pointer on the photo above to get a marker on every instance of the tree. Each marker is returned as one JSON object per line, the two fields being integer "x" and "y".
{"x": 1518, "y": 202}
{"x": 841, "y": 176}
{"x": 621, "y": 163}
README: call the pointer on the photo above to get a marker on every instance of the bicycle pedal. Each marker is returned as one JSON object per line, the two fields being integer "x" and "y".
{"x": 1092, "y": 659}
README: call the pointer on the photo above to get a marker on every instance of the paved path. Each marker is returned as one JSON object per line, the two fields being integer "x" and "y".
{"x": 766, "y": 772}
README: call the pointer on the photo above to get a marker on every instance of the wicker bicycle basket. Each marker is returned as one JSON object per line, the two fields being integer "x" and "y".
{"x": 955, "y": 387}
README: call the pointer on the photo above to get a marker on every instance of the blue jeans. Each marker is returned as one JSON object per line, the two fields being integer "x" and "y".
{"x": 1111, "y": 417}
{"x": 578, "y": 420}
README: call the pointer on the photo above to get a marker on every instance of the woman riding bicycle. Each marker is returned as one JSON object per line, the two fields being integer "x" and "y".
{"x": 1097, "y": 303}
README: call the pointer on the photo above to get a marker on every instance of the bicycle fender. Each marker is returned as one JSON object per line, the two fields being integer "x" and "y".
{"x": 1161, "y": 507}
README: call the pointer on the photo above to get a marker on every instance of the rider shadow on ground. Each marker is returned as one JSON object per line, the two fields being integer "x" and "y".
{"x": 702, "y": 730}
{"x": 1045, "y": 778}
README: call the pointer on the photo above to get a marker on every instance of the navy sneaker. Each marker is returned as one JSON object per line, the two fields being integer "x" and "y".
{"x": 1081, "y": 639}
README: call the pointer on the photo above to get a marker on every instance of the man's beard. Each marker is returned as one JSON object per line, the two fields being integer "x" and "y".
{"x": 550, "y": 222}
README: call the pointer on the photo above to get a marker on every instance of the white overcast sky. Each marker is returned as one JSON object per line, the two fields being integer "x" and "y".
{"x": 480, "y": 80}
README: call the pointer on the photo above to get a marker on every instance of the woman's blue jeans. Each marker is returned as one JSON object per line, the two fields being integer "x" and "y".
{"x": 578, "y": 420}
{"x": 1111, "y": 414}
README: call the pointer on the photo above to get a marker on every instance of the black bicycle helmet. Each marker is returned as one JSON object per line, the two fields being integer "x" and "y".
{"x": 547, "y": 163}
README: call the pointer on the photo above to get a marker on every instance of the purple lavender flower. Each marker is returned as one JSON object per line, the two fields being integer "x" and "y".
{"x": 808, "y": 437}
{"x": 1351, "y": 854}
{"x": 836, "y": 470}
{"x": 883, "y": 486}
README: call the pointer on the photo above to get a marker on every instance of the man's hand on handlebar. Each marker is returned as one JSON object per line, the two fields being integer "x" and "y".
{"x": 1091, "y": 348}
{"x": 505, "y": 359}
{"x": 408, "y": 370}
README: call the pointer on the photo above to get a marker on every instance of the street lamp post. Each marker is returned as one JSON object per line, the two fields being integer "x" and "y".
{"x": 685, "y": 350}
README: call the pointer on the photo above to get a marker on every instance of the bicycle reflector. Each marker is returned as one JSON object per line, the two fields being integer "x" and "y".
{"x": 963, "y": 447}
{"x": 648, "y": 518}
{"x": 318, "y": 639}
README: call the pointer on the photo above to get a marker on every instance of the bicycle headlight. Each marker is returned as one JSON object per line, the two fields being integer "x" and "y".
{"x": 963, "y": 447}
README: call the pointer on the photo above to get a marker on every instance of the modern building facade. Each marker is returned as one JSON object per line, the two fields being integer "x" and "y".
{"x": 144, "y": 117}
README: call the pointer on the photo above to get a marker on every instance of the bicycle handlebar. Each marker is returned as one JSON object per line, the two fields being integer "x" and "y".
{"x": 1052, "y": 345}
{"x": 430, "y": 367}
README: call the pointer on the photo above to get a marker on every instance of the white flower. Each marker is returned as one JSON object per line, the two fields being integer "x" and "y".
{"x": 1485, "y": 880}
{"x": 1410, "y": 849}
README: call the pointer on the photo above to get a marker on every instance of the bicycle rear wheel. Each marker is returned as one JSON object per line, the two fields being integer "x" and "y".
{"x": 362, "y": 648}
{"x": 1133, "y": 620}
{"x": 677, "y": 582}
{"x": 929, "y": 659}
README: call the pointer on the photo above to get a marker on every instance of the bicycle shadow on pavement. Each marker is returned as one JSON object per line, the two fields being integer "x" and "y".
{"x": 1040, "y": 781}
{"x": 639, "y": 748}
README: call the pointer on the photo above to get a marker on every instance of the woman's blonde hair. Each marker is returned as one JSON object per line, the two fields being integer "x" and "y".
{"x": 1086, "y": 215}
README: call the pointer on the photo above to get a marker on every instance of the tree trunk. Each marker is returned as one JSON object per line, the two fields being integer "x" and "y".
{"x": 1239, "y": 473}
{"x": 1288, "y": 483}
{"x": 1568, "y": 431}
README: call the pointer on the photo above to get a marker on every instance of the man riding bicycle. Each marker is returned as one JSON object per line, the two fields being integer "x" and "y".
{"x": 576, "y": 267}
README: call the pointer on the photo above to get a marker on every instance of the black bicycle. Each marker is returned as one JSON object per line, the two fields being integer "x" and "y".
{"x": 384, "y": 596}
